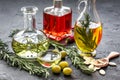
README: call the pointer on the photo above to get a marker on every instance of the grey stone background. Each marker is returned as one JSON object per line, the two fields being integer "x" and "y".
{"x": 109, "y": 11}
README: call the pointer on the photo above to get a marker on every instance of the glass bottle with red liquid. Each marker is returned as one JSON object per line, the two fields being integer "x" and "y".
{"x": 57, "y": 21}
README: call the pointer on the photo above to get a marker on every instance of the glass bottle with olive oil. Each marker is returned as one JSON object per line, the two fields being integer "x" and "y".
{"x": 88, "y": 28}
{"x": 29, "y": 42}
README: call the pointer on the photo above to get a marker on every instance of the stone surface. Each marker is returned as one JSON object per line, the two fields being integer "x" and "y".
{"x": 109, "y": 11}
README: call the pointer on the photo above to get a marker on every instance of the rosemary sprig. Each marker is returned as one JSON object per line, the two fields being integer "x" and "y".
{"x": 72, "y": 54}
{"x": 86, "y": 35}
{"x": 87, "y": 20}
{"x": 87, "y": 38}
{"x": 75, "y": 58}
{"x": 14, "y": 32}
{"x": 14, "y": 60}
{"x": 78, "y": 61}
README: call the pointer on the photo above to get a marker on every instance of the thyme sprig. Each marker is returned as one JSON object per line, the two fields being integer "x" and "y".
{"x": 16, "y": 61}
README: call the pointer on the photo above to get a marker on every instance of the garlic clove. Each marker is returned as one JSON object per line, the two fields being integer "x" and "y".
{"x": 112, "y": 64}
{"x": 102, "y": 72}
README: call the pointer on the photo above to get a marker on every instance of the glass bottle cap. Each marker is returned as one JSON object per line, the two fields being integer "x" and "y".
{"x": 29, "y": 9}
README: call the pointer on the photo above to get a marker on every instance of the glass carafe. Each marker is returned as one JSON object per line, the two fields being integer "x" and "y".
{"x": 29, "y": 42}
{"x": 88, "y": 28}
{"x": 49, "y": 58}
{"x": 57, "y": 21}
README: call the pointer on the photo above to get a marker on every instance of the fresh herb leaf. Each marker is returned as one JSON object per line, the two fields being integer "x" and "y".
{"x": 16, "y": 61}
{"x": 75, "y": 58}
{"x": 32, "y": 68}
{"x": 79, "y": 61}
{"x": 85, "y": 23}
{"x": 86, "y": 35}
{"x": 14, "y": 32}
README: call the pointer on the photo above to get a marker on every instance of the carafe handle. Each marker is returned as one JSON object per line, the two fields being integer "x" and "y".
{"x": 84, "y": 9}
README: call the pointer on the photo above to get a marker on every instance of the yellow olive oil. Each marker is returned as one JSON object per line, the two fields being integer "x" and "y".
{"x": 29, "y": 45}
{"x": 49, "y": 58}
{"x": 87, "y": 39}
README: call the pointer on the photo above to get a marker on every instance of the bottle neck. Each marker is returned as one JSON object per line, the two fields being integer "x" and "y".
{"x": 88, "y": 7}
{"x": 29, "y": 13}
{"x": 57, "y": 3}
{"x": 93, "y": 11}
{"x": 29, "y": 22}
